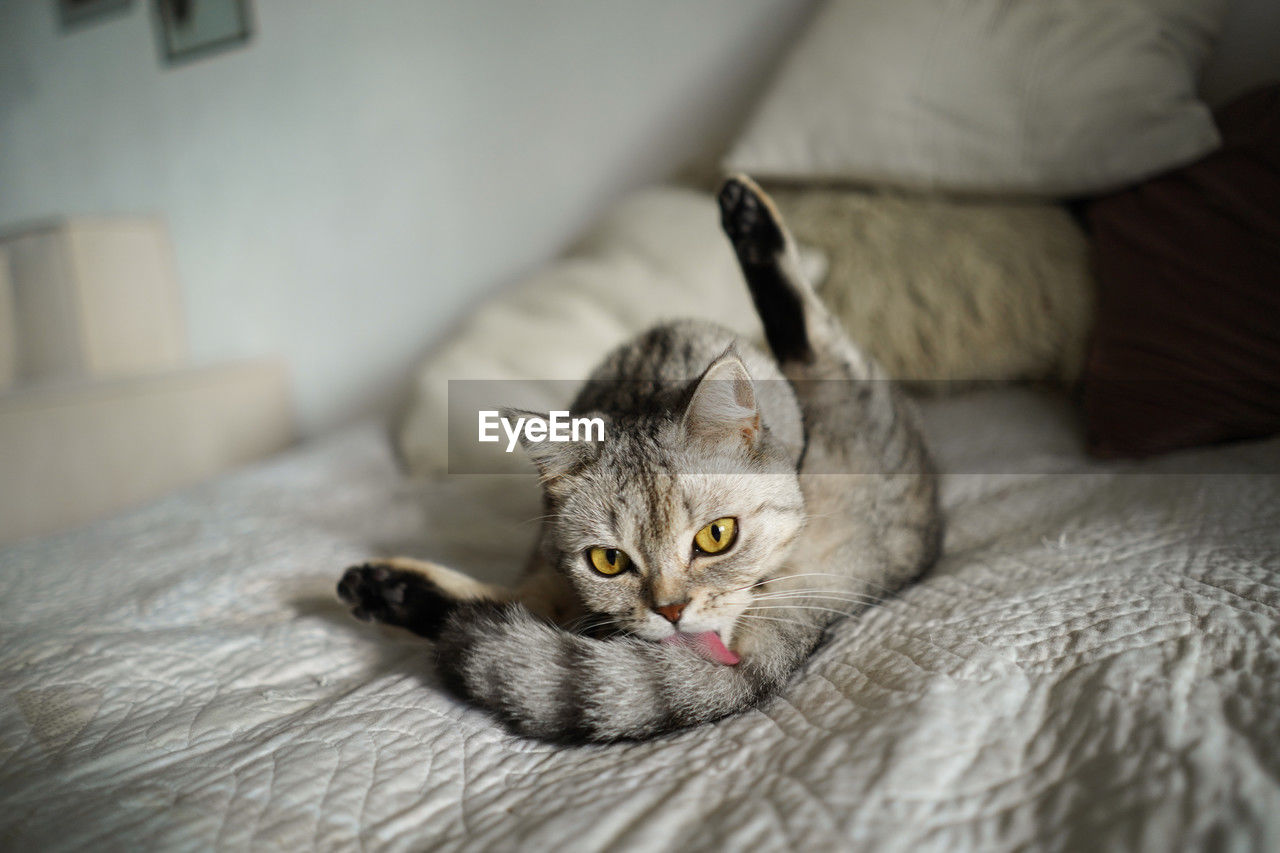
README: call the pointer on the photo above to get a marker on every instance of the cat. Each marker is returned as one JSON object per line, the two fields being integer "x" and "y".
{"x": 690, "y": 563}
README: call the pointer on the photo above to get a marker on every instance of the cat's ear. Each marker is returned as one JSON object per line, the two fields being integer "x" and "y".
{"x": 723, "y": 407}
{"x": 554, "y": 459}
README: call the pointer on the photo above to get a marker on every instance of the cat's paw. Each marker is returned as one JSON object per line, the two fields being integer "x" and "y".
{"x": 750, "y": 220}
{"x": 380, "y": 593}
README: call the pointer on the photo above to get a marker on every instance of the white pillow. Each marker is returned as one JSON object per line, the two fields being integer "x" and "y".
{"x": 657, "y": 255}
{"x": 1044, "y": 97}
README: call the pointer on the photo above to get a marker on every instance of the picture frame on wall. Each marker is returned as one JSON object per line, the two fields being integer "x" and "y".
{"x": 195, "y": 28}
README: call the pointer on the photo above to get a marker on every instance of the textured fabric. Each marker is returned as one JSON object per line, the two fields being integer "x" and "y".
{"x": 1094, "y": 663}
{"x": 947, "y": 290}
{"x": 1187, "y": 346}
{"x": 1058, "y": 97}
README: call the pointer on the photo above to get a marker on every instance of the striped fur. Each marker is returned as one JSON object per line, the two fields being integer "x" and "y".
{"x": 830, "y": 476}
{"x": 548, "y": 683}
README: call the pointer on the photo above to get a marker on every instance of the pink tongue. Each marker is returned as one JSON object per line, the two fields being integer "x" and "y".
{"x": 706, "y": 644}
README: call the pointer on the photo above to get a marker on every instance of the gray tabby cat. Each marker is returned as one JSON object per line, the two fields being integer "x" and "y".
{"x": 701, "y": 550}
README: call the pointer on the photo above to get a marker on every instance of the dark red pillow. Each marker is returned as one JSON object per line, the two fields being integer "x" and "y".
{"x": 1186, "y": 348}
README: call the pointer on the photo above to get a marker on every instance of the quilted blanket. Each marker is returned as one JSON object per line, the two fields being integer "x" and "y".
{"x": 1094, "y": 663}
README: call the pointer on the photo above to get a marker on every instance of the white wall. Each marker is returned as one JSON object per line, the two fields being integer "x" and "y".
{"x": 343, "y": 188}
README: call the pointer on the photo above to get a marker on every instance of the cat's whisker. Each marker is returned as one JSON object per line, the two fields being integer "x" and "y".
{"x": 817, "y": 600}
{"x": 788, "y": 577}
{"x": 868, "y": 600}
{"x": 781, "y": 578}
{"x": 804, "y": 607}
{"x": 590, "y": 622}
{"x": 817, "y": 591}
{"x": 555, "y": 515}
{"x": 819, "y": 597}
{"x": 587, "y": 629}
{"x": 851, "y": 588}
{"x": 846, "y": 578}
{"x": 857, "y": 580}
{"x": 772, "y": 619}
{"x": 596, "y": 623}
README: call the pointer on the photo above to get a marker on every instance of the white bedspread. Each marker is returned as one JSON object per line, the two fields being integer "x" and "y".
{"x": 1094, "y": 662}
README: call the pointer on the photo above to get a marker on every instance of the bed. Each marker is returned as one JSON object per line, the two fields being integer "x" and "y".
{"x": 1094, "y": 662}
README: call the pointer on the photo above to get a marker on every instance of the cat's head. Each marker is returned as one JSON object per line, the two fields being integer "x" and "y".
{"x": 668, "y": 523}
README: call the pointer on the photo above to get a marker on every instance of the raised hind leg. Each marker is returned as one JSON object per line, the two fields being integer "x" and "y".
{"x": 857, "y": 422}
{"x": 806, "y": 339}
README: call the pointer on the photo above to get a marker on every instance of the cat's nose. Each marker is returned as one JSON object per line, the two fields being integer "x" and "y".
{"x": 671, "y": 612}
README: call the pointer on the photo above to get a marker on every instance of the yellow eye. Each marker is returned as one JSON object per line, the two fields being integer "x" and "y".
{"x": 608, "y": 561}
{"x": 717, "y": 536}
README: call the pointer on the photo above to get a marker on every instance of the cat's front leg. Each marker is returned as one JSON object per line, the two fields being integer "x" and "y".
{"x": 405, "y": 593}
{"x": 419, "y": 595}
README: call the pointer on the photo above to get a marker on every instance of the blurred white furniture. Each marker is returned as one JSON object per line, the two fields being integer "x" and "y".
{"x": 94, "y": 297}
{"x": 100, "y": 410}
{"x": 72, "y": 452}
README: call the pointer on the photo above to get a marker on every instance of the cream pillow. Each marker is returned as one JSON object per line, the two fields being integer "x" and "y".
{"x": 951, "y": 290}
{"x": 900, "y": 271}
{"x": 1045, "y": 97}
{"x": 659, "y": 254}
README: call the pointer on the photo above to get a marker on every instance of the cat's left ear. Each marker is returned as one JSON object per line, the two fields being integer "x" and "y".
{"x": 723, "y": 407}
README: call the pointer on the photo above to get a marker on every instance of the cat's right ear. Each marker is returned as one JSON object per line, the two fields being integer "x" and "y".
{"x": 554, "y": 459}
{"x": 723, "y": 408}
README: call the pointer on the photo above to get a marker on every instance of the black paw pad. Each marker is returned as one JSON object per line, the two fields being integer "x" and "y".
{"x": 394, "y": 597}
{"x": 748, "y": 220}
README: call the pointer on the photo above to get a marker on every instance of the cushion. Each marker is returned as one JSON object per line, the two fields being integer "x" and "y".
{"x": 657, "y": 255}
{"x": 1187, "y": 344}
{"x": 1002, "y": 292}
{"x": 951, "y": 290}
{"x": 1046, "y": 97}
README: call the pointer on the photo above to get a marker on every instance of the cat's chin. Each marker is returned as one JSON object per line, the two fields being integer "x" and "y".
{"x": 706, "y": 644}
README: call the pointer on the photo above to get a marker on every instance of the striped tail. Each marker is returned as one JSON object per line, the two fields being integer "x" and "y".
{"x": 545, "y": 682}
